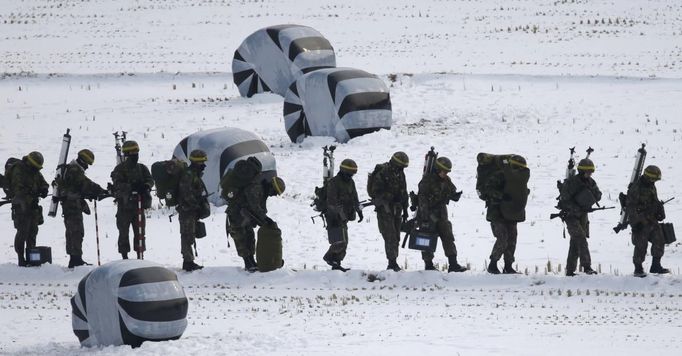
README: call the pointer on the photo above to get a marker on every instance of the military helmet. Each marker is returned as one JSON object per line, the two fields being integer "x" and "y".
{"x": 443, "y": 164}
{"x": 348, "y": 166}
{"x": 86, "y": 156}
{"x": 198, "y": 156}
{"x": 130, "y": 148}
{"x": 35, "y": 158}
{"x": 586, "y": 165}
{"x": 400, "y": 159}
{"x": 518, "y": 161}
{"x": 652, "y": 172}
{"x": 278, "y": 185}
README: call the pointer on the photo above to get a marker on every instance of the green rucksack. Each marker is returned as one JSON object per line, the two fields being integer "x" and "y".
{"x": 5, "y": 181}
{"x": 269, "y": 248}
{"x": 241, "y": 175}
{"x": 166, "y": 176}
{"x": 372, "y": 177}
{"x": 488, "y": 165}
{"x": 516, "y": 188}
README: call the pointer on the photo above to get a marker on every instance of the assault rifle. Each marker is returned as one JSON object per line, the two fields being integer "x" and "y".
{"x": 562, "y": 214}
{"x": 120, "y": 138}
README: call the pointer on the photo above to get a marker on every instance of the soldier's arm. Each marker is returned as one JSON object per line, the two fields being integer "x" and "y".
{"x": 254, "y": 194}
{"x": 568, "y": 190}
{"x": 381, "y": 190}
{"x": 633, "y": 206}
{"x": 147, "y": 176}
{"x": 404, "y": 197}
{"x": 187, "y": 197}
{"x": 333, "y": 203}
{"x": 595, "y": 191}
{"x": 453, "y": 194}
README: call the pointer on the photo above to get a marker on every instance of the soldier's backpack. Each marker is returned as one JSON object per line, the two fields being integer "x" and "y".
{"x": 372, "y": 177}
{"x": 166, "y": 176}
{"x": 241, "y": 175}
{"x": 488, "y": 165}
{"x": 5, "y": 181}
{"x": 269, "y": 248}
{"x": 320, "y": 200}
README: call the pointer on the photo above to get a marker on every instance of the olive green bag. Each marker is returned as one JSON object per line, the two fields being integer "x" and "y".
{"x": 269, "y": 248}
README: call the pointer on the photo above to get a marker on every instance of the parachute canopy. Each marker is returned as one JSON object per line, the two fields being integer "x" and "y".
{"x": 128, "y": 302}
{"x": 224, "y": 148}
{"x": 338, "y": 102}
{"x": 270, "y": 59}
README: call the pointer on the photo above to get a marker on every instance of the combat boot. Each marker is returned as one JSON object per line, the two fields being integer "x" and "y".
{"x": 338, "y": 267}
{"x": 393, "y": 265}
{"x": 190, "y": 266}
{"x": 492, "y": 267}
{"x": 453, "y": 266}
{"x": 428, "y": 266}
{"x": 656, "y": 267}
{"x": 124, "y": 255}
{"x": 639, "y": 271}
{"x": 250, "y": 264}
{"x": 508, "y": 269}
{"x": 588, "y": 270}
{"x": 75, "y": 261}
{"x": 570, "y": 273}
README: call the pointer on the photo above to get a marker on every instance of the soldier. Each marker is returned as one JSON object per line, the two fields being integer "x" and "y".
{"x": 27, "y": 185}
{"x": 578, "y": 194}
{"x": 644, "y": 211}
{"x": 389, "y": 194}
{"x": 131, "y": 181}
{"x": 506, "y": 193}
{"x": 248, "y": 209}
{"x": 342, "y": 206}
{"x": 435, "y": 192}
{"x": 76, "y": 188}
{"x": 192, "y": 206}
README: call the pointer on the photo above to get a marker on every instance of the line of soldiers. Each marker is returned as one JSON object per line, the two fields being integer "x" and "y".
{"x": 132, "y": 183}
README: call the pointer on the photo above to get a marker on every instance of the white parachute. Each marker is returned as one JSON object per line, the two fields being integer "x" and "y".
{"x": 224, "y": 147}
{"x": 270, "y": 59}
{"x": 338, "y": 102}
{"x": 128, "y": 302}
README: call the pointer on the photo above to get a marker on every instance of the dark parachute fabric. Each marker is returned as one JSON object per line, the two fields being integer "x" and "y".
{"x": 269, "y": 248}
{"x": 166, "y": 176}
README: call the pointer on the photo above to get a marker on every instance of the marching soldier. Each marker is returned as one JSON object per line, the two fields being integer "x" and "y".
{"x": 645, "y": 211}
{"x": 389, "y": 195}
{"x": 435, "y": 192}
{"x": 76, "y": 188}
{"x": 131, "y": 181}
{"x": 578, "y": 194}
{"x": 506, "y": 193}
{"x": 248, "y": 209}
{"x": 342, "y": 207}
{"x": 192, "y": 206}
{"x": 27, "y": 186}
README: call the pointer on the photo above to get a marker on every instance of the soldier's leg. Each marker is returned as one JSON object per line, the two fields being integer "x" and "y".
{"x": 387, "y": 228}
{"x": 447, "y": 239}
{"x": 21, "y": 224}
{"x": 640, "y": 241}
{"x": 501, "y": 241}
{"x": 73, "y": 224}
{"x": 509, "y": 252}
{"x": 657, "y": 242}
{"x": 585, "y": 258}
{"x": 187, "y": 235}
{"x": 337, "y": 250}
{"x": 123, "y": 225}
{"x": 577, "y": 234}
{"x": 33, "y": 230}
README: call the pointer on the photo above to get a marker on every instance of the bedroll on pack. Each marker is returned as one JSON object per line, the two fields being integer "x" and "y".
{"x": 241, "y": 175}
{"x": 269, "y": 248}
{"x": 5, "y": 182}
{"x": 371, "y": 179}
{"x": 166, "y": 176}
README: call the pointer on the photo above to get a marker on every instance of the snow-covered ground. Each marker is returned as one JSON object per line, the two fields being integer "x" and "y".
{"x": 536, "y": 94}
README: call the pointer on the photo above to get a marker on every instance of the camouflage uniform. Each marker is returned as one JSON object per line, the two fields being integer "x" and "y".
{"x": 191, "y": 202}
{"x": 27, "y": 186}
{"x": 76, "y": 187}
{"x": 505, "y": 231}
{"x": 434, "y": 195}
{"x": 577, "y": 222}
{"x": 246, "y": 210}
{"x": 342, "y": 206}
{"x": 643, "y": 208}
{"x": 129, "y": 177}
{"x": 389, "y": 194}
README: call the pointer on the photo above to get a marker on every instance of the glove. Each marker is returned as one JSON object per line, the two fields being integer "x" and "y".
{"x": 405, "y": 216}
{"x": 43, "y": 192}
{"x": 360, "y": 216}
{"x": 456, "y": 196}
